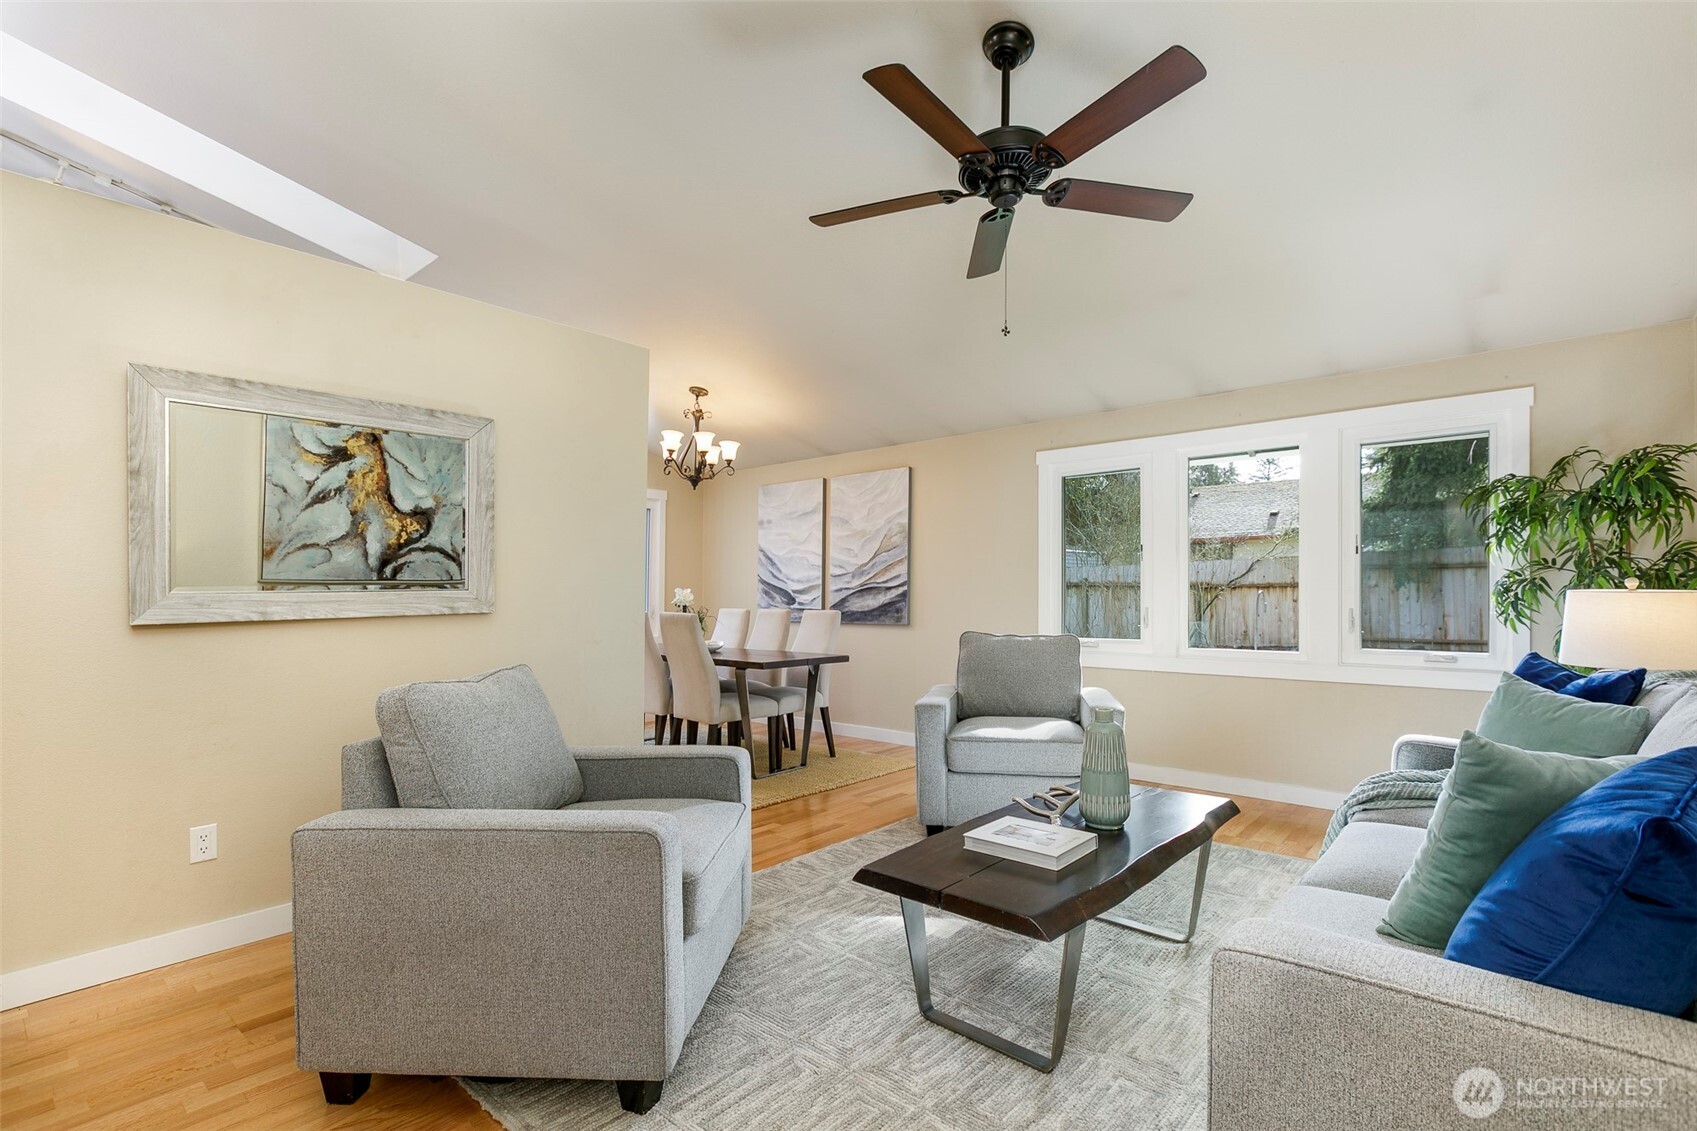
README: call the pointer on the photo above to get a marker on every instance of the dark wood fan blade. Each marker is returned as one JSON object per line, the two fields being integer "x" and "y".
{"x": 991, "y": 242}
{"x": 1162, "y": 79}
{"x": 913, "y": 98}
{"x": 885, "y": 207}
{"x": 1116, "y": 200}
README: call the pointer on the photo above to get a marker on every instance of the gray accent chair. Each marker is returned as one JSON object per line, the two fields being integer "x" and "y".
{"x": 1011, "y": 724}
{"x": 491, "y": 903}
{"x": 1317, "y": 1020}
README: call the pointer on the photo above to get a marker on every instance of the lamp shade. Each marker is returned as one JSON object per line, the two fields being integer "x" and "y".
{"x": 1629, "y": 628}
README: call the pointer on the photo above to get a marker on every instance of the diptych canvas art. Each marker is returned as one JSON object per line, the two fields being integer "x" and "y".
{"x": 790, "y": 545}
{"x": 355, "y": 504}
{"x": 869, "y": 546}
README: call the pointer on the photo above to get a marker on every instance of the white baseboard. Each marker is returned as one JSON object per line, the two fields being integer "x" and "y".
{"x": 51, "y": 979}
{"x": 1166, "y": 775}
{"x": 875, "y": 734}
{"x": 1238, "y": 787}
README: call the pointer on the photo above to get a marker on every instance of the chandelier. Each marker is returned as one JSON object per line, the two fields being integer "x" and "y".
{"x": 703, "y": 455}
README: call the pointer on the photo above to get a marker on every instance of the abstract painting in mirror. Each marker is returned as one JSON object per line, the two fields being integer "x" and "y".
{"x": 349, "y": 503}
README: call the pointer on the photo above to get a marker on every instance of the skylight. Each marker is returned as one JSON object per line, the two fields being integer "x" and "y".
{"x": 45, "y": 86}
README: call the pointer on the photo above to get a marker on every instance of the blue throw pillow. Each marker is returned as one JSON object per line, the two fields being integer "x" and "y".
{"x": 1601, "y": 899}
{"x": 1619, "y": 687}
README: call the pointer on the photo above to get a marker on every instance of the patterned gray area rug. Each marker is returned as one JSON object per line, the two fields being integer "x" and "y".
{"x": 814, "y": 1024}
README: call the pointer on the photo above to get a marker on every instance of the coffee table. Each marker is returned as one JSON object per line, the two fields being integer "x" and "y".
{"x": 940, "y": 871}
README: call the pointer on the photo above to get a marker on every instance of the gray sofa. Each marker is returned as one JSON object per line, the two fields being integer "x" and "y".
{"x": 1317, "y": 1020}
{"x": 568, "y": 925}
{"x": 1011, "y": 724}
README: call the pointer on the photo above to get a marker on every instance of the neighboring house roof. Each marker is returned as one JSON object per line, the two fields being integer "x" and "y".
{"x": 1237, "y": 511}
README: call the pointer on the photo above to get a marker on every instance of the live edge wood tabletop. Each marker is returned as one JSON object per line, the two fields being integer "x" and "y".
{"x": 940, "y": 871}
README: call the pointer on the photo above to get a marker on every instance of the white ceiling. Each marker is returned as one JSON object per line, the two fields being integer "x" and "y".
{"x": 1375, "y": 185}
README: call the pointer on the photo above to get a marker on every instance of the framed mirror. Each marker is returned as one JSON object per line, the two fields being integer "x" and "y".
{"x": 261, "y": 502}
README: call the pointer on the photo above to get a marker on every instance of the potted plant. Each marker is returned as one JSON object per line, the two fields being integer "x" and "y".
{"x": 1588, "y": 523}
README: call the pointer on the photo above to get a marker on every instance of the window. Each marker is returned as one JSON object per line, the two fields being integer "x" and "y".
{"x": 1102, "y": 554}
{"x": 1244, "y": 539}
{"x": 1425, "y": 580}
{"x": 654, "y": 553}
{"x": 1326, "y": 547}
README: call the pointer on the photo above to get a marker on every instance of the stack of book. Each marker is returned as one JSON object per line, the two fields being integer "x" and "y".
{"x": 1032, "y": 842}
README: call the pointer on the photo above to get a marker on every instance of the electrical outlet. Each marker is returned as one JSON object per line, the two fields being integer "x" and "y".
{"x": 203, "y": 843}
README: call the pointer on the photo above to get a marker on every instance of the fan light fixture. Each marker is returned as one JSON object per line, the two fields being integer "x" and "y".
{"x": 703, "y": 455}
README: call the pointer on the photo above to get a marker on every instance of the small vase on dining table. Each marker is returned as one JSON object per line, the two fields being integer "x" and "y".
{"x": 1105, "y": 783}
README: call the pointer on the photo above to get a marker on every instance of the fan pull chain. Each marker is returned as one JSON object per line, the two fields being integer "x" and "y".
{"x": 1005, "y": 270}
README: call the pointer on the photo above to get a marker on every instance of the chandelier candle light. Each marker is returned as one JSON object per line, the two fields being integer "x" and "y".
{"x": 703, "y": 455}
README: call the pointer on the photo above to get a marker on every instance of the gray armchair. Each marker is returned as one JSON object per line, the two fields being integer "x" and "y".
{"x": 1012, "y": 723}
{"x": 488, "y": 903}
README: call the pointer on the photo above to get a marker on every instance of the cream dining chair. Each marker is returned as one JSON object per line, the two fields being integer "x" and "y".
{"x": 697, "y": 698}
{"x": 730, "y": 629}
{"x": 656, "y": 687}
{"x": 771, "y": 634}
{"x": 818, "y": 632}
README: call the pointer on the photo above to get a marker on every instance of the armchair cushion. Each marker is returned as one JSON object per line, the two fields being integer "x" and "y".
{"x": 1029, "y": 676}
{"x": 1013, "y": 744}
{"x": 713, "y": 838}
{"x": 489, "y": 741}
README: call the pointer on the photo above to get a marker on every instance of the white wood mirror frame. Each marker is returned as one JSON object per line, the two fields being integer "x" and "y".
{"x": 153, "y": 600}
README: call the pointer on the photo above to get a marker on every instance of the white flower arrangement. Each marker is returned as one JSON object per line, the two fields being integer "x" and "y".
{"x": 683, "y": 600}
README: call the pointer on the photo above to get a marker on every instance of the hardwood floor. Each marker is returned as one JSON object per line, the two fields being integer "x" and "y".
{"x": 210, "y": 1043}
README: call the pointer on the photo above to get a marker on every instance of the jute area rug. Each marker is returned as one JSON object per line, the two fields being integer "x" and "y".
{"x": 813, "y": 1023}
{"x": 822, "y": 771}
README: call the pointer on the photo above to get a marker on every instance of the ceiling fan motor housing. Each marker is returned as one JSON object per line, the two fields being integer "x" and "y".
{"x": 1011, "y": 173}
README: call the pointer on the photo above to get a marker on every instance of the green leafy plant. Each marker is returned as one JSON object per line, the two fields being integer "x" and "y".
{"x": 1588, "y": 523}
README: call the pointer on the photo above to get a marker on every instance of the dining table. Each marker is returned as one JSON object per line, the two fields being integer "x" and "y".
{"x": 741, "y": 661}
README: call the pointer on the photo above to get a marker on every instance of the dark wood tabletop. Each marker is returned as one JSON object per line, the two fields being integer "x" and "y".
{"x": 940, "y": 871}
{"x": 752, "y": 659}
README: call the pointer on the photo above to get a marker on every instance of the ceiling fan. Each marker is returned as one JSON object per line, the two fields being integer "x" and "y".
{"x": 1006, "y": 163}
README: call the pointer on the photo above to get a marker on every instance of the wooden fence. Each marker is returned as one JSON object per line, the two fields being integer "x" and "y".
{"x": 1440, "y": 602}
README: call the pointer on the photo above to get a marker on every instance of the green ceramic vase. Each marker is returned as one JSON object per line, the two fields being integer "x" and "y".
{"x": 1105, "y": 785}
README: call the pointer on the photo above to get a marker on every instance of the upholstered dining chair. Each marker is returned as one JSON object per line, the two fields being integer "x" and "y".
{"x": 818, "y": 632}
{"x": 771, "y": 633}
{"x": 697, "y": 698}
{"x": 1010, "y": 724}
{"x": 730, "y": 629}
{"x": 656, "y": 688}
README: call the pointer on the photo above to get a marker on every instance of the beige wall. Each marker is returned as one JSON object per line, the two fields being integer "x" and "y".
{"x": 974, "y": 553}
{"x": 683, "y": 532}
{"x": 114, "y": 740}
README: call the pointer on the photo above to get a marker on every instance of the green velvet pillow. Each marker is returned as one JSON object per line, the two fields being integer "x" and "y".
{"x": 1493, "y": 798}
{"x": 1525, "y": 715}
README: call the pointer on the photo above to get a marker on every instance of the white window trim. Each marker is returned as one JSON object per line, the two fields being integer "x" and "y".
{"x": 1329, "y": 445}
{"x": 654, "y": 514}
{"x": 1050, "y": 475}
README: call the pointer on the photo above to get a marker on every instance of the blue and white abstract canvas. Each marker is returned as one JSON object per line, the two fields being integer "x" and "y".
{"x": 790, "y": 545}
{"x": 869, "y": 547}
{"x": 353, "y": 504}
